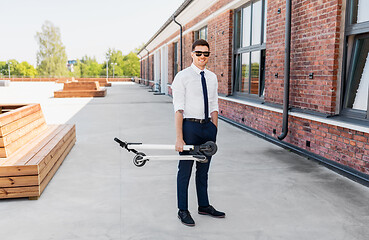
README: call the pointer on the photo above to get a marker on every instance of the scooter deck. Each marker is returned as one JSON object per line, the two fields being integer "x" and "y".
{"x": 197, "y": 153}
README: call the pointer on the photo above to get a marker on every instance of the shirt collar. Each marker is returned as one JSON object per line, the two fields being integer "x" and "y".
{"x": 196, "y": 69}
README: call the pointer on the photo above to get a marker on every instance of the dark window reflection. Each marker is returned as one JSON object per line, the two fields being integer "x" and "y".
{"x": 358, "y": 85}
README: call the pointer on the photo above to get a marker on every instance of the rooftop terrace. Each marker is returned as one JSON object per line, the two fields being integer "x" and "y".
{"x": 266, "y": 191}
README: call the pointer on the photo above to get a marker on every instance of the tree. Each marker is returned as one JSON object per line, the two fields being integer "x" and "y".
{"x": 88, "y": 67}
{"x": 25, "y": 69}
{"x": 131, "y": 65}
{"x": 8, "y": 65}
{"x": 3, "y": 68}
{"x": 116, "y": 57}
{"x": 128, "y": 65}
{"x": 51, "y": 57}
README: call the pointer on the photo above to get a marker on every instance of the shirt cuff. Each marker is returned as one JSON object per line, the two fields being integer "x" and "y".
{"x": 176, "y": 108}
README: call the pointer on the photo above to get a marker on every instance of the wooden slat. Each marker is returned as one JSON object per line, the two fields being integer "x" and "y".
{"x": 42, "y": 144}
{"x": 14, "y": 146}
{"x": 102, "y": 81}
{"x": 80, "y": 93}
{"x": 4, "y": 130}
{"x": 50, "y": 160}
{"x": 56, "y": 166}
{"x": 28, "y": 150}
{"x": 19, "y": 133}
{"x": 11, "y": 106}
{"x": 18, "y": 170}
{"x": 73, "y": 86}
{"x": 20, "y": 181}
{"x": 18, "y": 113}
{"x": 54, "y": 142}
{"x": 18, "y": 192}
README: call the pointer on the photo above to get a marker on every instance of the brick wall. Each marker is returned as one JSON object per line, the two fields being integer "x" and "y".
{"x": 151, "y": 67}
{"x": 315, "y": 35}
{"x": 170, "y": 63}
{"x": 220, "y": 40}
{"x": 342, "y": 145}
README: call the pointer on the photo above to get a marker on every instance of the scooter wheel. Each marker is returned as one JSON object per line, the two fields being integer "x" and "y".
{"x": 137, "y": 160}
{"x": 209, "y": 148}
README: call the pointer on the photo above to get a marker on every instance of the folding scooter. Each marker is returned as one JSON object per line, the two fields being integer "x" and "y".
{"x": 195, "y": 152}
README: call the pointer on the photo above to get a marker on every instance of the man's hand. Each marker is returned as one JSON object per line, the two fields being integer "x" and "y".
{"x": 179, "y": 145}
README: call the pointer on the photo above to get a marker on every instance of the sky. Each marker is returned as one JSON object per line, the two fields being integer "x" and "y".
{"x": 87, "y": 27}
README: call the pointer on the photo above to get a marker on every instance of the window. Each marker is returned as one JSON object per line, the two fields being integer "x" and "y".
{"x": 249, "y": 49}
{"x": 202, "y": 33}
{"x": 356, "y": 79}
{"x": 175, "y": 59}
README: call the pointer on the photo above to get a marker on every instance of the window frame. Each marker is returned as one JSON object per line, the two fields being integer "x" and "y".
{"x": 356, "y": 31}
{"x": 238, "y": 50}
{"x": 197, "y": 33}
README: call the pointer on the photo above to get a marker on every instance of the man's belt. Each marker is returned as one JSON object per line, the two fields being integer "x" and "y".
{"x": 198, "y": 120}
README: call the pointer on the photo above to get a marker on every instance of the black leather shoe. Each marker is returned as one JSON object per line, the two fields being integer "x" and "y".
{"x": 185, "y": 217}
{"x": 209, "y": 210}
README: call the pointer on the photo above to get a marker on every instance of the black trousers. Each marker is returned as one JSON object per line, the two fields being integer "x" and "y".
{"x": 195, "y": 133}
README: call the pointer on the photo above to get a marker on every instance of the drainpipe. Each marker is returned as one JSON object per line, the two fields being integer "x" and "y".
{"x": 148, "y": 66}
{"x": 287, "y": 53}
{"x": 180, "y": 36}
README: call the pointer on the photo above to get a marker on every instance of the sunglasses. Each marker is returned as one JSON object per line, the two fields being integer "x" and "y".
{"x": 199, "y": 53}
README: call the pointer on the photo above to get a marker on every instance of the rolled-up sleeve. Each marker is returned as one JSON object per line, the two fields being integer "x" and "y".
{"x": 213, "y": 102}
{"x": 178, "y": 91}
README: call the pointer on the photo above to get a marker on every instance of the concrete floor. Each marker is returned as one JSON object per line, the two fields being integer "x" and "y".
{"x": 267, "y": 192}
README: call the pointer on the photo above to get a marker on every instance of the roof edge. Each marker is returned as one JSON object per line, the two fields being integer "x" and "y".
{"x": 175, "y": 14}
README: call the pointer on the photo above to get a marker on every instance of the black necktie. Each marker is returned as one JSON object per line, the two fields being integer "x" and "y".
{"x": 205, "y": 92}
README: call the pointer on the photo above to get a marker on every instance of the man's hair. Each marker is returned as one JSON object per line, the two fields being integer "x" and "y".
{"x": 200, "y": 42}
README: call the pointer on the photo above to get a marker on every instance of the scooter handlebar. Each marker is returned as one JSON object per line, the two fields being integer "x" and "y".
{"x": 121, "y": 143}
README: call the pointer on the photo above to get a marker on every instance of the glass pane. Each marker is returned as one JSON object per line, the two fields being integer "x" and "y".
{"x": 358, "y": 85}
{"x": 359, "y": 11}
{"x": 238, "y": 30}
{"x": 262, "y": 73}
{"x": 246, "y": 26}
{"x": 265, "y": 19}
{"x": 256, "y": 22}
{"x": 255, "y": 66}
{"x": 237, "y": 71}
{"x": 196, "y": 37}
{"x": 245, "y": 84}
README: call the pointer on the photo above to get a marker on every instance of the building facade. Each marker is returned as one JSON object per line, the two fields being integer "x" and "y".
{"x": 328, "y": 115}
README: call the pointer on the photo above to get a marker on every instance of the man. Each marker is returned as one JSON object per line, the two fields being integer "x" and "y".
{"x": 195, "y": 100}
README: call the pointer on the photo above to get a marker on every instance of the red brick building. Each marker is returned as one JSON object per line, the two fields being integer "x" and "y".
{"x": 328, "y": 117}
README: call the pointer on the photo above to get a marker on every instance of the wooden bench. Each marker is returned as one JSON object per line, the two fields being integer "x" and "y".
{"x": 80, "y": 89}
{"x": 102, "y": 81}
{"x": 31, "y": 151}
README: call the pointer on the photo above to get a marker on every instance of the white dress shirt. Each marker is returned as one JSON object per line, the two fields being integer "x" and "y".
{"x": 188, "y": 95}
